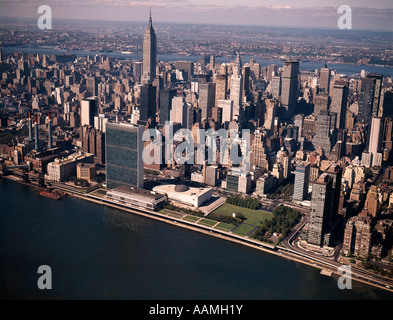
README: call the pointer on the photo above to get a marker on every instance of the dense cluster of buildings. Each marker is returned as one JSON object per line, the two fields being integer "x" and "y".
{"x": 327, "y": 134}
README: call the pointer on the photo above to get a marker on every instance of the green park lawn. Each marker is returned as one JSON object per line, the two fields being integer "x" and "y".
{"x": 224, "y": 226}
{"x": 253, "y": 217}
{"x": 243, "y": 229}
{"x": 208, "y": 222}
{"x": 191, "y": 218}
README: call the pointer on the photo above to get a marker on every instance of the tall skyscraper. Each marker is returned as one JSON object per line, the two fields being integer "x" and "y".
{"x": 387, "y": 105}
{"x": 271, "y": 71}
{"x": 88, "y": 111}
{"x": 324, "y": 80}
{"x": 258, "y": 152}
{"x": 149, "y": 53}
{"x": 375, "y": 141}
{"x": 369, "y": 99}
{"x": 179, "y": 112}
{"x": 221, "y": 87}
{"x": 387, "y": 138}
{"x": 92, "y": 86}
{"x": 212, "y": 62}
{"x": 206, "y": 99}
{"x": 322, "y": 137}
{"x": 30, "y": 127}
{"x": 36, "y": 135}
{"x": 320, "y": 209}
{"x": 123, "y": 151}
{"x": 336, "y": 172}
{"x": 339, "y": 102}
{"x": 289, "y": 91}
{"x": 321, "y": 102}
{"x": 166, "y": 96}
{"x": 271, "y": 112}
{"x": 372, "y": 201}
{"x": 227, "y": 110}
{"x": 148, "y": 106}
{"x": 137, "y": 70}
{"x": 50, "y": 137}
{"x": 302, "y": 178}
{"x": 236, "y": 91}
{"x": 275, "y": 87}
{"x": 246, "y": 81}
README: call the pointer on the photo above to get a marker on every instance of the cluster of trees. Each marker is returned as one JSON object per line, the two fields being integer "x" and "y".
{"x": 285, "y": 191}
{"x": 283, "y": 219}
{"x": 100, "y": 177}
{"x": 7, "y": 137}
{"x": 81, "y": 182}
{"x": 250, "y": 203}
{"x": 380, "y": 270}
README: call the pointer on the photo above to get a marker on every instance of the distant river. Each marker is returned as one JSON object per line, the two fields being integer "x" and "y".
{"x": 305, "y": 66}
{"x": 96, "y": 252}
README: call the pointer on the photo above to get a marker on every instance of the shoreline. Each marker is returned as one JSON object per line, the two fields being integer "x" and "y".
{"x": 123, "y": 54}
{"x": 276, "y": 250}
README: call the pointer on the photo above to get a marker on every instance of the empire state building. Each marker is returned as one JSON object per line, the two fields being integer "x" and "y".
{"x": 149, "y": 54}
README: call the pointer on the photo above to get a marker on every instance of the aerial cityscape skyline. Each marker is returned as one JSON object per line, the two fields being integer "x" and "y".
{"x": 279, "y": 140}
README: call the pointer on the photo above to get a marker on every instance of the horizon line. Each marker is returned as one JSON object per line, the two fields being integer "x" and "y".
{"x": 205, "y": 24}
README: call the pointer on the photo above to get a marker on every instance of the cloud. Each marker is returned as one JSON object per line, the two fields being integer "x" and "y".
{"x": 247, "y": 12}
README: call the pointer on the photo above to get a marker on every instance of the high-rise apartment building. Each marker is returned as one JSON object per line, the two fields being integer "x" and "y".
{"x": 357, "y": 235}
{"x": 320, "y": 209}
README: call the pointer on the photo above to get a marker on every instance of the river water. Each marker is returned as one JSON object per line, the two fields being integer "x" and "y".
{"x": 347, "y": 69}
{"x": 96, "y": 252}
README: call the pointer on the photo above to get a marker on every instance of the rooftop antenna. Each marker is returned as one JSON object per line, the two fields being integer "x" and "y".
{"x": 150, "y": 22}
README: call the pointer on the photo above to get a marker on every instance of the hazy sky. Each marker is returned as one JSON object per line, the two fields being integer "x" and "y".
{"x": 366, "y": 14}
